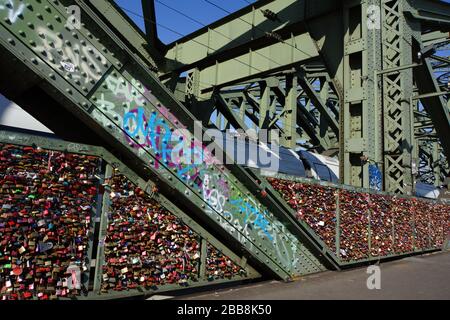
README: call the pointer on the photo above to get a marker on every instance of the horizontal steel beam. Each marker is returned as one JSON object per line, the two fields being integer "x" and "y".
{"x": 433, "y": 14}
{"x": 244, "y": 31}
{"x": 434, "y": 38}
{"x": 250, "y": 64}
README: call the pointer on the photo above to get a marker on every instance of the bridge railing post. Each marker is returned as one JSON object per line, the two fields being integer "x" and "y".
{"x": 338, "y": 225}
{"x": 100, "y": 259}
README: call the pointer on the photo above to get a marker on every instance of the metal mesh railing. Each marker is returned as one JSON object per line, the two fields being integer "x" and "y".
{"x": 52, "y": 205}
{"x": 359, "y": 225}
{"x": 47, "y": 200}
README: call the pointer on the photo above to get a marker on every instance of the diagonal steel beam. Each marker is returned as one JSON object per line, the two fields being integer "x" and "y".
{"x": 246, "y": 30}
{"x": 445, "y": 61}
{"x": 306, "y": 121}
{"x": 319, "y": 104}
{"x": 227, "y": 111}
{"x": 435, "y": 106}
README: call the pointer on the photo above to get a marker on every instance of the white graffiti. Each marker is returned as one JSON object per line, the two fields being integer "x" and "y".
{"x": 14, "y": 9}
{"x": 242, "y": 218}
{"x": 230, "y": 225}
{"x": 74, "y": 20}
{"x": 129, "y": 95}
{"x": 108, "y": 108}
{"x": 85, "y": 59}
{"x": 74, "y": 147}
{"x": 69, "y": 67}
{"x": 126, "y": 91}
{"x": 214, "y": 197}
{"x": 286, "y": 248}
{"x": 374, "y": 17}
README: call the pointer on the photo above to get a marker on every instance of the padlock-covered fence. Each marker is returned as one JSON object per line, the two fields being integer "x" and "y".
{"x": 46, "y": 203}
{"x": 359, "y": 226}
{"x": 96, "y": 82}
{"x": 82, "y": 225}
{"x": 52, "y": 205}
{"x": 147, "y": 246}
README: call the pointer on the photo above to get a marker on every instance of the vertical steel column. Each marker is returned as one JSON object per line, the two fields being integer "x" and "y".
{"x": 96, "y": 220}
{"x": 290, "y": 113}
{"x": 429, "y": 229}
{"x": 338, "y": 225}
{"x": 193, "y": 83}
{"x": 203, "y": 256}
{"x": 437, "y": 163}
{"x": 393, "y": 234}
{"x": 397, "y": 89}
{"x": 361, "y": 142}
{"x": 264, "y": 105}
{"x": 242, "y": 109}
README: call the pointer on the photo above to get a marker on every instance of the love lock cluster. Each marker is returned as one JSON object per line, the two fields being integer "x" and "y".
{"x": 46, "y": 201}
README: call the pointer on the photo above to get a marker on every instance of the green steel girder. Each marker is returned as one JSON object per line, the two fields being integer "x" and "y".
{"x": 434, "y": 37}
{"x": 319, "y": 104}
{"x": 360, "y": 116}
{"x": 25, "y": 139}
{"x": 224, "y": 107}
{"x": 433, "y": 167}
{"x": 284, "y": 117}
{"x": 328, "y": 42}
{"x": 245, "y": 31}
{"x": 433, "y": 14}
{"x": 246, "y": 104}
{"x": 303, "y": 118}
{"x": 435, "y": 106}
{"x": 398, "y": 34}
{"x": 363, "y": 105}
{"x": 376, "y": 120}
{"x": 147, "y": 46}
{"x": 151, "y": 30}
{"x": 232, "y": 51}
{"x": 444, "y": 61}
{"x": 115, "y": 87}
{"x": 307, "y": 122}
{"x": 249, "y": 65}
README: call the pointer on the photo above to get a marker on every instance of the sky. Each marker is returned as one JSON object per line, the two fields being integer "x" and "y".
{"x": 197, "y": 9}
{"x": 173, "y": 25}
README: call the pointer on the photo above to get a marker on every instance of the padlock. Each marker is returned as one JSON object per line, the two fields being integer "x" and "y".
{"x": 316, "y": 205}
{"x": 41, "y": 189}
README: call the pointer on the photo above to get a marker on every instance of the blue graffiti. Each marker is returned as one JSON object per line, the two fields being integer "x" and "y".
{"x": 250, "y": 210}
{"x": 375, "y": 178}
{"x": 151, "y": 132}
{"x": 158, "y": 137}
